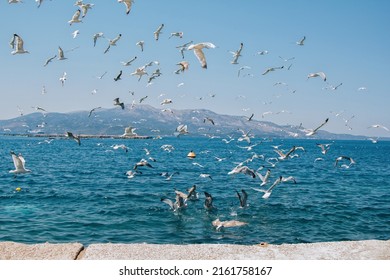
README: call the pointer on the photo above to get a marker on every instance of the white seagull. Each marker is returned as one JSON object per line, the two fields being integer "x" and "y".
{"x": 314, "y": 131}
{"x": 128, "y": 63}
{"x": 271, "y": 69}
{"x": 75, "y": 18}
{"x": 236, "y": 54}
{"x": 244, "y": 170}
{"x": 128, "y": 4}
{"x": 19, "y": 45}
{"x": 378, "y": 126}
{"x": 19, "y": 164}
{"x": 199, "y": 52}
{"x": 301, "y": 42}
{"x": 97, "y": 36}
{"x": 141, "y": 45}
{"x": 158, "y": 32}
{"x": 318, "y": 74}
{"x": 112, "y": 42}
{"x": 351, "y": 161}
{"x": 139, "y": 72}
{"x": 63, "y": 79}
{"x": 49, "y": 60}
{"x": 181, "y": 129}
{"x": 268, "y": 192}
{"x": 61, "y": 54}
{"x": 264, "y": 179}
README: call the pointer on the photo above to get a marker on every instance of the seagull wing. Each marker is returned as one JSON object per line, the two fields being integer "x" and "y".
{"x": 18, "y": 161}
{"x": 321, "y": 125}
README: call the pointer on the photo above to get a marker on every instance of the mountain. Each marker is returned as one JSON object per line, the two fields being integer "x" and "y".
{"x": 150, "y": 121}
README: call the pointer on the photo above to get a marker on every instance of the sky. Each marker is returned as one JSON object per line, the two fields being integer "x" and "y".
{"x": 347, "y": 40}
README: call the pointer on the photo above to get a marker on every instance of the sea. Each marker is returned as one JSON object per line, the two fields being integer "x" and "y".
{"x": 82, "y": 193}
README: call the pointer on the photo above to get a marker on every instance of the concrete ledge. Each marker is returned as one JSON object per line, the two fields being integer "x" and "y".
{"x": 346, "y": 250}
{"x": 44, "y": 251}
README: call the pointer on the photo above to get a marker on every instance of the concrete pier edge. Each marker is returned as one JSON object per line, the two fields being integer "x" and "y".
{"x": 343, "y": 250}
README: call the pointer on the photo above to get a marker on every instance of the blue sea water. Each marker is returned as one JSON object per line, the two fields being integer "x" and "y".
{"x": 81, "y": 193}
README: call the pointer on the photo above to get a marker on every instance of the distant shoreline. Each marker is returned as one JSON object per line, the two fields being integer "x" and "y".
{"x": 81, "y": 136}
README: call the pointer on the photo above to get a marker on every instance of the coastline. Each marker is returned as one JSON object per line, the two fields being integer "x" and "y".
{"x": 343, "y": 250}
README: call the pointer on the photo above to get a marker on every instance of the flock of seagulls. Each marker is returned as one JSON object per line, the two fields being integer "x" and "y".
{"x": 199, "y": 50}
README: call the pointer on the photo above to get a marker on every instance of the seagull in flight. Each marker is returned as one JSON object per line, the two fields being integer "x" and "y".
{"x": 128, "y": 4}
{"x": 118, "y": 103}
{"x": 236, "y": 54}
{"x": 94, "y": 109}
{"x": 183, "y": 48}
{"x": 264, "y": 179}
{"x": 378, "y": 126}
{"x": 118, "y": 77}
{"x": 139, "y": 72}
{"x": 314, "y": 131}
{"x": 176, "y": 34}
{"x": 72, "y": 136}
{"x": 61, "y": 54}
{"x": 19, "y": 49}
{"x": 242, "y": 198}
{"x": 75, "y": 17}
{"x": 181, "y": 129}
{"x": 198, "y": 51}
{"x": 244, "y": 170}
{"x": 318, "y": 74}
{"x": 63, "y": 79}
{"x": 112, "y": 42}
{"x": 128, "y": 63}
{"x": 271, "y": 69}
{"x": 268, "y": 192}
{"x": 301, "y": 42}
{"x": 49, "y": 60}
{"x": 19, "y": 163}
{"x": 351, "y": 161}
{"x": 324, "y": 147}
{"x": 242, "y": 68}
{"x": 141, "y": 45}
{"x": 158, "y": 32}
{"x": 97, "y": 36}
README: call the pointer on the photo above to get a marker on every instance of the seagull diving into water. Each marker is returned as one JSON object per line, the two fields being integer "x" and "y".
{"x": 19, "y": 164}
{"x": 314, "y": 131}
{"x": 198, "y": 51}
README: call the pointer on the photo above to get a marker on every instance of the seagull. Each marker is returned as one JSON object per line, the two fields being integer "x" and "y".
{"x": 245, "y": 136}
{"x": 139, "y": 72}
{"x": 118, "y": 103}
{"x": 283, "y": 156}
{"x": 199, "y": 53}
{"x": 19, "y": 163}
{"x": 158, "y": 31}
{"x": 120, "y": 146}
{"x": 49, "y": 60}
{"x": 262, "y": 52}
{"x": 204, "y": 175}
{"x": 351, "y": 160}
{"x": 169, "y": 176}
{"x": 61, "y": 54}
{"x": 63, "y": 79}
{"x": 209, "y": 120}
{"x": 264, "y": 179}
{"x": 243, "y": 198}
{"x": 97, "y": 36}
{"x": 94, "y": 109}
{"x": 250, "y": 118}
{"x": 75, "y": 33}
{"x": 271, "y": 69}
{"x": 166, "y": 101}
{"x": 112, "y": 42}
{"x": 128, "y": 4}
{"x": 181, "y": 129}
{"x": 14, "y": 1}
{"x": 301, "y": 42}
{"x": 242, "y": 68}
{"x": 183, "y": 66}
{"x": 84, "y": 7}
{"x": 244, "y": 170}
{"x": 378, "y": 126}
{"x": 101, "y": 76}
{"x": 72, "y": 136}
{"x": 179, "y": 203}
{"x": 318, "y": 74}
{"x": 19, "y": 45}
{"x": 208, "y": 203}
{"x": 176, "y": 34}
{"x": 75, "y": 18}
{"x": 118, "y": 77}
{"x": 236, "y": 54}
{"x": 314, "y": 131}
{"x": 286, "y": 59}
{"x": 142, "y": 99}
{"x": 142, "y": 162}
{"x": 141, "y": 45}
{"x": 268, "y": 192}
{"x": 183, "y": 48}
{"x": 324, "y": 147}
{"x": 224, "y": 224}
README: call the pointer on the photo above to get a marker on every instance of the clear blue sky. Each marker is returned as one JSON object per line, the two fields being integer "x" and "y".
{"x": 348, "y": 40}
